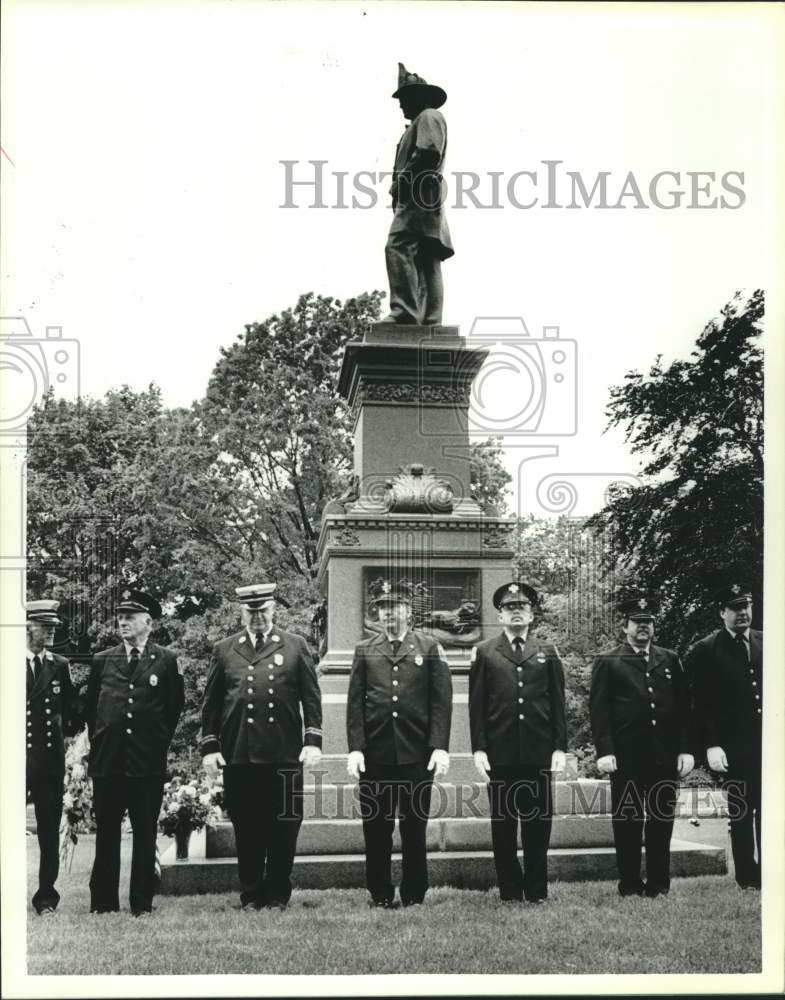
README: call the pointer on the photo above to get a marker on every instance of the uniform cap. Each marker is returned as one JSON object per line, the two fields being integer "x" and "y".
{"x": 511, "y": 592}
{"x": 384, "y": 591}
{"x": 639, "y": 607}
{"x": 43, "y": 612}
{"x": 256, "y": 596}
{"x": 733, "y": 595}
{"x": 131, "y": 601}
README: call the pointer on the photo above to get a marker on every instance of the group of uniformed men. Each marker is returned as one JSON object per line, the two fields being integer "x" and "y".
{"x": 261, "y": 722}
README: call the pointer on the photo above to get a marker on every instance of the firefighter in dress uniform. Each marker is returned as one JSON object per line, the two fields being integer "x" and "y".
{"x": 519, "y": 736}
{"x": 135, "y": 695}
{"x": 399, "y": 709}
{"x": 52, "y": 713}
{"x": 726, "y": 669}
{"x": 252, "y": 727}
{"x": 641, "y": 722}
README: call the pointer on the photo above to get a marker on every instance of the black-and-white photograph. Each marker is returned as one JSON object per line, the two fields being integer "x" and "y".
{"x": 384, "y": 479}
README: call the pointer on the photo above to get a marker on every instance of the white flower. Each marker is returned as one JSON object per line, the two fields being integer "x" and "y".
{"x": 77, "y": 772}
{"x": 190, "y": 791}
{"x": 68, "y": 800}
{"x": 205, "y": 799}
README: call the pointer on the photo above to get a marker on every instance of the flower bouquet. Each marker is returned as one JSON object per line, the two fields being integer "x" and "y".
{"x": 78, "y": 814}
{"x": 188, "y": 806}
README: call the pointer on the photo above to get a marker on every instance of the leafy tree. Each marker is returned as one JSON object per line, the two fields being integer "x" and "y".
{"x": 698, "y": 517}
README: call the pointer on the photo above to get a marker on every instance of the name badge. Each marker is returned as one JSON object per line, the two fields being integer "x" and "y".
{"x": 418, "y": 660}
{"x": 153, "y": 680}
{"x": 278, "y": 659}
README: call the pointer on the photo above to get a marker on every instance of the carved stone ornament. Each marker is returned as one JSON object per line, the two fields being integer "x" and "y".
{"x": 346, "y": 536}
{"x": 496, "y": 538}
{"x": 417, "y": 491}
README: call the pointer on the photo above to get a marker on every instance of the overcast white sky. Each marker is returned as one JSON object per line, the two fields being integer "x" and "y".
{"x": 142, "y": 211}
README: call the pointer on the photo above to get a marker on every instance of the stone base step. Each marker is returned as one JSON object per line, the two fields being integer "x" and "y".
{"x": 462, "y": 869}
{"x": 342, "y": 836}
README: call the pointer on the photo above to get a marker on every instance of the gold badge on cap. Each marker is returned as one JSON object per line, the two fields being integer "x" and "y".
{"x": 735, "y": 588}
{"x": 513, "y": 588}
{"x": 642, "y": 603}
{"x": 126, "y": 594}
{"x": 386, "y": 587}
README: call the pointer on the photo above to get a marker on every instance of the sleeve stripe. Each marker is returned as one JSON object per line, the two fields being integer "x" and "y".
{"x": 313, "y": 731}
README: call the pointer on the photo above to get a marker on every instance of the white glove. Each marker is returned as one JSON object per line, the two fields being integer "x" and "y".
{"x": 310, "y": 755}
{"x": 717, "y": 759}
{"x": 355, "y": 764}
{"x": 213, "y": 762}
{"x": 607, "y": 764}
{"x": 482, "y": 763}
{"x": 440, "y": 761}
{"x": 685, "y": 764}
{"x": 558, "y": 761}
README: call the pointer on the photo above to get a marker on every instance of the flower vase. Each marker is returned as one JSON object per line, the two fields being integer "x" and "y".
{"x": 182, "y": 837}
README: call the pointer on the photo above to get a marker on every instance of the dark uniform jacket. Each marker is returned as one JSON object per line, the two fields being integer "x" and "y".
{"x": 640, "y": 711}
{"x": 728, "y": 695}
{"x": 52, "y": 714}
{"x": 399, "y": 707}
{"x": 131, "y": 717}
{"x": 251, "y": 708}
{"x": 516, "y": 710}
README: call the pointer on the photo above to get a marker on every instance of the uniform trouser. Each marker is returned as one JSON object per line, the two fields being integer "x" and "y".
{"x": 111, "y": 797}
{"x": 265, "y": 805}
{"x": 384, "y": 790}
{"x": 743, "y": 788}
{"x": 414, "y": 270}
{"x": 46, "y": 794}
{"x": 520, "y": 795}
{"x": 643, "y": 801}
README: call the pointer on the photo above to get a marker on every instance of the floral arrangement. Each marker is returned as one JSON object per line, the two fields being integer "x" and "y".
{"x": 78, "y": 814}
{"x": 189, "y": 805}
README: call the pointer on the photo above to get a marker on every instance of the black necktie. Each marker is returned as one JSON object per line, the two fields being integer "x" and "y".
{"x": 258, "y": 642}
{"x": 36, "y": 666}
{"x": 742, "y": 645}
{"x": 517, "y": 645}
{"x": 134, "y": 658}
{"x": 396, "y": 645}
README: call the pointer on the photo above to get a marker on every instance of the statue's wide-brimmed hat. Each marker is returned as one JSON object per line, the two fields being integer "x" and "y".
{"x": 409, "y": 83}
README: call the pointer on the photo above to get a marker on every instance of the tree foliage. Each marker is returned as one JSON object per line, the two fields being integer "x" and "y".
{"x": 697, "y": 518}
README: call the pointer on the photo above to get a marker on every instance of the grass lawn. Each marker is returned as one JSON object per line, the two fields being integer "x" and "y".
{"x": 704, "y": 925}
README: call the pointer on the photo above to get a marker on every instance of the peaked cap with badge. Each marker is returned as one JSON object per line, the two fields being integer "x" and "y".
{"x": 733, "y": 595}
{"x": 512, "y": 592}
{"x": 382, "y": 591}
{"x": 131, "y": 601}
{"x": 639, "y": 607}
{"x": 257, "y": 596}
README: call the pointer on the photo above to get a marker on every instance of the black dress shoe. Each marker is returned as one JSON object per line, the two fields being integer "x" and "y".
{"x": 653, "y": 893}
{"x": 511, "y": 899}
{"x": 251, "y": 906}
{"x": 382, "y": 904}
{"x": 46, "y": 911}
{"x": 274, "y": 904}
{"x": 537, "y": 900}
